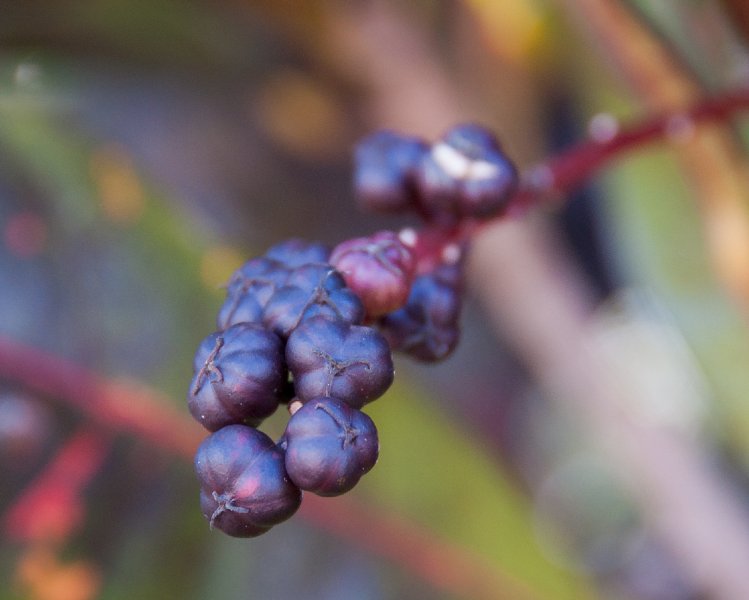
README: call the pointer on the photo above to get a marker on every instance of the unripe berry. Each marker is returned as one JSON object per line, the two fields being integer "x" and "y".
{"x": 239, "y": 377}
{"x": 244, "y": 487}
{"x": 379, "y": 269}
{"x": 329, "y": 446}
{"x": 332, "y": 358}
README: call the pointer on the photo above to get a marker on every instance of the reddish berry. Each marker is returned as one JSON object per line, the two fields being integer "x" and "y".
{"x": 379, "y": 269}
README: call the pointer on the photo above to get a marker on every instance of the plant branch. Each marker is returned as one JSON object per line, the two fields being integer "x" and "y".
{"x": 562, "y": 174}
{"x": 711, "y": 158}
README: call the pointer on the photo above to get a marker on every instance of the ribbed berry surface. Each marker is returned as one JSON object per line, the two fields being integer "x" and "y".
{"x": 329, "y": 446}
{"x": 239, "y": 377}
{"x": 244, "y": 487}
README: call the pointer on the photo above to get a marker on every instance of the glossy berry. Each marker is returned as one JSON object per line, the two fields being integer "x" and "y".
{"x": 333, "y": 358}
{"x": 239, "y": 377}
{"x": 244, "y": 487}
{"x": 427, "y": 327}
{"x": 467, "y": 173}
{"x": 329, "y": 446}
{"x": 249, "y": 290}
{"x": 296, "y": 252}
{"x": 310, "y": 291}
{"x": 378, "y": 269}
{"x": 384, "y": 167}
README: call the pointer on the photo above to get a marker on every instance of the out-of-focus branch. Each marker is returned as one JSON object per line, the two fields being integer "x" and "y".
{"x": 51, "y": 507}
{"x": 542, "y": 306}
{"x": 716, "y": 167}
{"x": 739, "y": 13}
{"x": 118, "y": 406}
{"x": 137, "y": 410}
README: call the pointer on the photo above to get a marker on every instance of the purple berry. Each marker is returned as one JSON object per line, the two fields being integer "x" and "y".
{"x": 333, "y": 358}
{"x": 295, "y": 253}
{"x": 379, "y": 269}
{"x": 249, "y": 290}
{"x": 467, "y": 173}
{"x": 239, "y": 377}
{"x": 427, "y": 327}
{"x": 385, "y": 165}
{"x": 310, "y": 291}
{"x": 329, "y": 446}
{"x": 244, "y": 487}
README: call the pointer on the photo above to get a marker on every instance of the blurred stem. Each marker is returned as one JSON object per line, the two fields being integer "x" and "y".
{"x": 50, "y": 508}
{"x": 542, "y": 306}
{"x": 561, "y": 175}
{"x": 739, "y": 13}
{"x": 710, "y": 157}
{"x": 137, "y": 410}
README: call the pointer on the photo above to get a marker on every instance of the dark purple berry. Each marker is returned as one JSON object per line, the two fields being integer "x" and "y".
{"x": 467, "y": 173}
{"x": 427, "y": 327}
{"x": 384, "y": 167}
{"x": 244, "y": 487}
{"x": 249, "y": 289}
{"x": 310, "y": 291}
{"x": 295, "y": 253}
{"x": 239, "y": 377}
{"x": 379, "y": 269}
{"x": 329, "y": 446}
{"x": 333, "y": 358}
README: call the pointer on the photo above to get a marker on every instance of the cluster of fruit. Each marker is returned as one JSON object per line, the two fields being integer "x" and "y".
{"x": 314, "y": 329}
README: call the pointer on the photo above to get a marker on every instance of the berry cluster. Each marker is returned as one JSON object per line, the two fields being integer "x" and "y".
{"x": 314, "y": 329}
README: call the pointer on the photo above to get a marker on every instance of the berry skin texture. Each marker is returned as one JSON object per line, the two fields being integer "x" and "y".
{"x": 427, "y": 327}
{"x": 329, "y": 446}
{"x": 385, "y": 165}
{"x": 311, "y": 290}
{"x": 296, "y": 252}
{"x": 467, "y": 173}
{"x": 333, "y": 358}
{"x": 239, "y": 377}
{"x": 379, "y": 269}
{"x": 244, "y": 487}
{"x": 249, "y": 290}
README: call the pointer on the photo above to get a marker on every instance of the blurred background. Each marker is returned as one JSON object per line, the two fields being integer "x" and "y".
{"x": 588, "y": 439}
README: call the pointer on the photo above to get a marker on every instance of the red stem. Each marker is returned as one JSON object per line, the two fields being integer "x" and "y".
{"x": 567, "y": 171}
{"x": 556, "y": 177}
